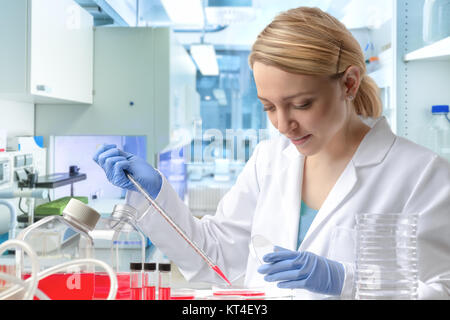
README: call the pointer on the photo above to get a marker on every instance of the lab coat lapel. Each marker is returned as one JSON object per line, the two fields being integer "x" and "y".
{"x": 372, "y": 150}
{"x": 289, "y": 180}
{"x": 338, "y": 193}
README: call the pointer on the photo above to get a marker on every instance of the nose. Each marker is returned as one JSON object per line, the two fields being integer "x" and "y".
{"x": 285, "y": 123}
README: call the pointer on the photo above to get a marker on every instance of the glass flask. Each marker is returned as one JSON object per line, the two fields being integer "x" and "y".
{"x": 58, "y": 239}
{"x": 118, "y": 242}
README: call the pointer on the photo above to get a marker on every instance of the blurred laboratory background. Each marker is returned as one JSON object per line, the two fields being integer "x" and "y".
{"x": 169, "y": 80}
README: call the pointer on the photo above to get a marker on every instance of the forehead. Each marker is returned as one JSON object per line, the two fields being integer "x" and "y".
{"x": 276, "y": 83}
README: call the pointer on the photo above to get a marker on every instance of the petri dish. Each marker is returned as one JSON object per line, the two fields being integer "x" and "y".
{"x": 243, "y": 292}
{"x": 182, "y": 294}
{"x": 260, "y": 246}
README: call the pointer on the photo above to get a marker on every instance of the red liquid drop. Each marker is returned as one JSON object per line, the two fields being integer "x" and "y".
{"x": 220, "y": 273}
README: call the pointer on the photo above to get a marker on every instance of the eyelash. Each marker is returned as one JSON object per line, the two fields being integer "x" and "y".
{"x": 302, "y": 107}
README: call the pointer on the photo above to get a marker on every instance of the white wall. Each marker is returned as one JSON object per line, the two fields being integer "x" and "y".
{"x": 17, "y": 118}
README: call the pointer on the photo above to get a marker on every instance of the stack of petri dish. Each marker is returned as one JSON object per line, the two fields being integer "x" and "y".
{"x": 386, "y": 256}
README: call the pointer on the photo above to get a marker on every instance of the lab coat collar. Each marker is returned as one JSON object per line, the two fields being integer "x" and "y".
{"x": 375, "y": 145}
{"x": 372, "y": 150}
{"x": 290, "y": 184}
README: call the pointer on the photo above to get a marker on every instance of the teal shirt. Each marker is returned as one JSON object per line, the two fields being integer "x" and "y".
{"x": 307, "y": 216}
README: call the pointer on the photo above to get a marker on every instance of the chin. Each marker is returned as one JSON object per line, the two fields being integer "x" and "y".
{"x": 307, "y": 151}
{"x": 310, "y": 148}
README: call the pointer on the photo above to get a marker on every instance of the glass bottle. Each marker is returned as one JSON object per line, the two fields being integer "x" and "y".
{"x": 128, "y": 241}
{"x": 438, "y": 137}
{"x": 58, "y": 239}
{"x": 436, "y": 20}
{"x": 136, "y": 280}
{"x": 164, "y": 284}
{"x": 118, "y": 242}
{"x": 150, "y": 281}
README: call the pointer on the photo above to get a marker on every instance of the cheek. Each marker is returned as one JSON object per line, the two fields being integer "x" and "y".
{"x": 272, "y": 118}
{"x": 328, "y": 118}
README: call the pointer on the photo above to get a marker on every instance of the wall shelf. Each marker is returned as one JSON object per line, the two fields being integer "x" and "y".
{"x": 382, "y": 77}
{"x": 438, "y": 51}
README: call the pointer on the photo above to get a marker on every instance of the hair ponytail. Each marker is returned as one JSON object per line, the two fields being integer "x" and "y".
{"x": 367, "y": 101}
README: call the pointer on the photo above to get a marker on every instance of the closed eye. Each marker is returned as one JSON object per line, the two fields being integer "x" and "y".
{"x": 269, "y": 108}
{"x": 303, "y": 106}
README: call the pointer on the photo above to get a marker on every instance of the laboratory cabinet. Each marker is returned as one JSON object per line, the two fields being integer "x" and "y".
{"x": 144, "y": 85}
{"x": 412, "y": 74}
{"x": 46, "y": 51}
{"x": 422, "y": 70}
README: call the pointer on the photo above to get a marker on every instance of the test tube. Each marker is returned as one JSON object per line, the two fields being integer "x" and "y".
{"x": 150, "y": 281}
{"x": 164, "y": 281}
{"x": 136, "y": 280}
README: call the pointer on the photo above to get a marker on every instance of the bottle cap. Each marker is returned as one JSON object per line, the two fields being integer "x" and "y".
{"x": 149, "y": 266}
{"x": 135, "y": 266}
{"x": 164, "y": 266}
{"x": 440, "y": 108}
{"x": 81, "y": 213}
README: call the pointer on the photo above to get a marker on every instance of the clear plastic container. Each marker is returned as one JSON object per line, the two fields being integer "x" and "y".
{"x": 386, "y": 256}
{"x": 438, "y": 136}
{"x": 436, "y": 20}
{"x": 59, "y": 239}
{"x": 260, "y": 246}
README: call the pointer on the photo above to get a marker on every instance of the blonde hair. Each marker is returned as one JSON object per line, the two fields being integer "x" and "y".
{"x": 311, "y": 42}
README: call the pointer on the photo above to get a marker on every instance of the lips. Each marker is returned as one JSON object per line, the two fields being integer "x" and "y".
{"x": 300, "y": 140}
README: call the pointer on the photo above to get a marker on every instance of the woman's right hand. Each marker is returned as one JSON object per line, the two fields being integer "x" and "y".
{"x": 115, "y": 161}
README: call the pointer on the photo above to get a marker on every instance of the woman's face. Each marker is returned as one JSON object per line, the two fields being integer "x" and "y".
{"x": 309, "y": 110}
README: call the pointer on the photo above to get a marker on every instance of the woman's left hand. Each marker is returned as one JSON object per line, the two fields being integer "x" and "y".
{"x": 303, "y": 270}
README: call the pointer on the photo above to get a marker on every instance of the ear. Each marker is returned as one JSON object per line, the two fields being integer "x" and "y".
{"x": 351, "y": 81}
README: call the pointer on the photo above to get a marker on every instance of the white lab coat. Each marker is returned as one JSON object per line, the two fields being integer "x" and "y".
{"x": 387, "y": 174}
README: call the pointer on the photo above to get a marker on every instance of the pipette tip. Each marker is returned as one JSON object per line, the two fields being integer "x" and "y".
{"x": 220, "y": 273}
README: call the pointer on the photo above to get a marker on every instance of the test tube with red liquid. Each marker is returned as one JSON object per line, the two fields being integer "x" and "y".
{"x": 164, "y": 271}
{"x": 150, "y": 281}
{"x": 136, "y": 281}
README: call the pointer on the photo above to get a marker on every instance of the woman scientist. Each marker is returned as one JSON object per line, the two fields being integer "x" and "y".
{"x": 301, "y": 190}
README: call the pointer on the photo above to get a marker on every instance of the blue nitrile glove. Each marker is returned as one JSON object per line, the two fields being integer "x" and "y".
{"x": 303, "y": 270}
{"x": 114, "y": 161}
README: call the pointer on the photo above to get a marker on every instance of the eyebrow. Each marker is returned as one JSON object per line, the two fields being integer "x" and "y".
{"x": 288, "y": 97}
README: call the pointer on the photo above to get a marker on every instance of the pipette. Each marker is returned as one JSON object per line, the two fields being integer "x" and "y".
{"x": 178, "y": 229}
